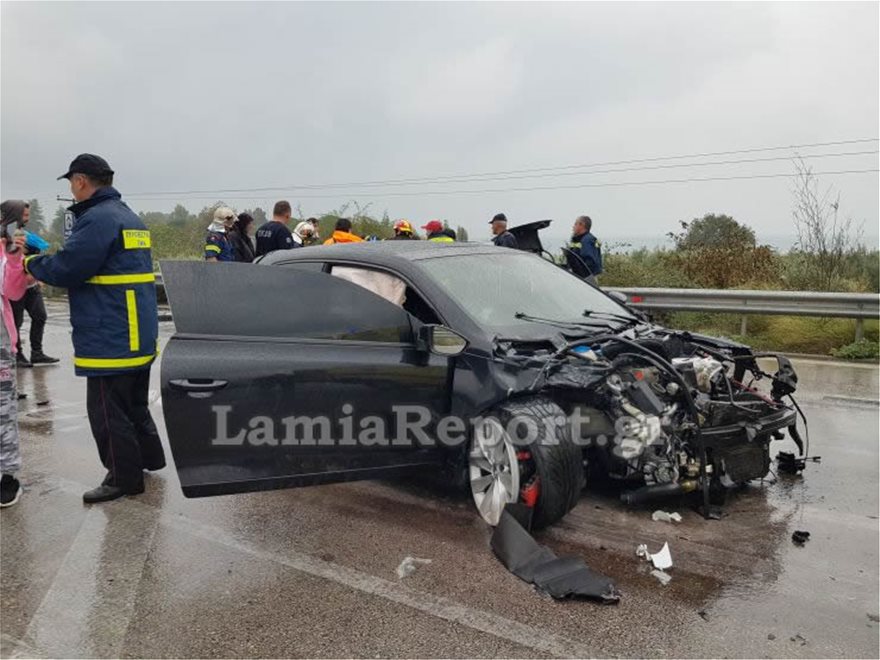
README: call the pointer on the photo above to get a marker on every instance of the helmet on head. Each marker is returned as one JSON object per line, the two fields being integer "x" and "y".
{"x": 225, "y": 216}
{"x": 403, "y": 227}
{"x": 304, "y": 229}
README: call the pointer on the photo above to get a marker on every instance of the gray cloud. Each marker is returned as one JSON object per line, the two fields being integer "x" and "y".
{"x": 191, "y": 96}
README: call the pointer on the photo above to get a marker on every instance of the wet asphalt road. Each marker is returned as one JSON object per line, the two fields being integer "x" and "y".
{"x": 312, "y": 572}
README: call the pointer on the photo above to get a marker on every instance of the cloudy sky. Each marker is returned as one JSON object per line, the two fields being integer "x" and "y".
{"x": 212, "y": 96}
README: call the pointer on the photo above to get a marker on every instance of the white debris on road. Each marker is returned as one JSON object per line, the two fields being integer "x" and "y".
{"x": 409, "y": 565}
{"x": 661, "y": 560}
{"x": 663, "y": 516}
{"x": 664, "y": 577}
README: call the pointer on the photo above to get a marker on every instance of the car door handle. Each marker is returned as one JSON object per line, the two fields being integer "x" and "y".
{"x": 198, "y": 385}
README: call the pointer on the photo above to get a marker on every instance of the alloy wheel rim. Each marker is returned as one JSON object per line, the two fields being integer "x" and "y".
{"x": 493, "y": 470}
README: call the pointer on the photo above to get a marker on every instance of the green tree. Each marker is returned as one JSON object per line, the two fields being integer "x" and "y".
{"x": 56, "y": 230}
{"x": 461, "y": 233}
{"x": 713, "y": 230}
{"x": 179, "y": 216}
{"x": 37, "y": 223}
{"x": 718, "y": 252}
{"x": 153, "y": 217}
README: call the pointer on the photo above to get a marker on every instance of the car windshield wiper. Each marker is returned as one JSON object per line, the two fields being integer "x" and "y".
{"x": 571, "y": 325}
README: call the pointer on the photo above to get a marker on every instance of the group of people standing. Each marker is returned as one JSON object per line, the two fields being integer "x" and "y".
{"x": 232, "y": 237}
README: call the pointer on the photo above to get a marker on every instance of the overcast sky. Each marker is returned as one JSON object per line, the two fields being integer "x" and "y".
{"x": 210, "y": 95}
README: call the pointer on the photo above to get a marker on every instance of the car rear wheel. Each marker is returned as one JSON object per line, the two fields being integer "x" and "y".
{"x": 546, "y": 473}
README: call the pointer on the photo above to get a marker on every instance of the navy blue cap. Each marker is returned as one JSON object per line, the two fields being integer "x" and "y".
{"x": 87, "y": 164}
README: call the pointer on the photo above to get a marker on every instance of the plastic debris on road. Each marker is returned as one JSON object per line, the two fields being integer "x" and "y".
{"x": 661, "y": 560}
{"x": 561, "y": 577}
{"x": 409, "y": 565}
{"x": 664, "y": 577}
{"x": 663, "y": 516}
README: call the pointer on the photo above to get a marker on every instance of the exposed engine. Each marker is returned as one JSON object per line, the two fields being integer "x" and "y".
{"x": 692, "y": 425}
{"x": 673, "y": 412}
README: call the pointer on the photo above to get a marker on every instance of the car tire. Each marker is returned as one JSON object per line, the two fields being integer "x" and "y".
{"x": 556, "y": 461}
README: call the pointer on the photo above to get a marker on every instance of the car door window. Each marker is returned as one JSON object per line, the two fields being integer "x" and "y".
{"x": 251, "y": 300}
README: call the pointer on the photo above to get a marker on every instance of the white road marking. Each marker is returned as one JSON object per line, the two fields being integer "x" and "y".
{"x": 88, "y": 608}
{"x": 63, "y": 627}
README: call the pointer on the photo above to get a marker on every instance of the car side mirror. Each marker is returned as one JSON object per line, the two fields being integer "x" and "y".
{"x": 440, "y": 340}
{"x": 618, "y": 296}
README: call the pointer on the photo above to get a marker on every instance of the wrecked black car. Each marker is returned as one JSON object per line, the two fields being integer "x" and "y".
{"x": 509, "y": 374}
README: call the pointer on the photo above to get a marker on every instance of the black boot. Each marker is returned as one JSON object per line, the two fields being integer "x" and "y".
{"x": 22, "y": 362}
{"x": 38, "y": 357}
{"x": 106, "y": 493}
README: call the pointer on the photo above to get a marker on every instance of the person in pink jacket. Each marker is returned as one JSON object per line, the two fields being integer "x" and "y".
{"x": 13, "y": 284}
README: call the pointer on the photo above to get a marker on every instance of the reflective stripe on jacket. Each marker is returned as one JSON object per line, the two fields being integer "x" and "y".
{"x": 441, "y": 238}
{"x": 107, "y": 266}
{"x": 218, "y": 246}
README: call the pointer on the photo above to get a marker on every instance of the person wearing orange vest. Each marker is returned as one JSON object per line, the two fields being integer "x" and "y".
{"x": 342, "y": 233}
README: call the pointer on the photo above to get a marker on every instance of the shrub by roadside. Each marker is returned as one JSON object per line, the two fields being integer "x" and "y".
{"x": 863, "y": 349}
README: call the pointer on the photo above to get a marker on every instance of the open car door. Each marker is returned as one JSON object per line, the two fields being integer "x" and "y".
{"x": 279, "y": 377}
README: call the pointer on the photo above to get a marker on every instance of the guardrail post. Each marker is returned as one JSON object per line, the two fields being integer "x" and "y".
{"x": 860, "y": 329}
{"x": 743, "y": 325}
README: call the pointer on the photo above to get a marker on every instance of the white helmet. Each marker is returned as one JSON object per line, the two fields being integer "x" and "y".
{"x": 304, "y": 229}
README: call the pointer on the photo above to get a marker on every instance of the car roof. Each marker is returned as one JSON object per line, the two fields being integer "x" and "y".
{"x": 383, "y": 253}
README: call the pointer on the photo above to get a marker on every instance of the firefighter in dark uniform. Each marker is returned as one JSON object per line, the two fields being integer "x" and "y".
{"x": 218, "y": 247}
{"x": 584, "y": 253}
{"x": 107, "y": 268}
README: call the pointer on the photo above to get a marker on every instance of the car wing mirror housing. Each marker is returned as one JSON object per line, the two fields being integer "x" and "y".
{"x": 619, "y": 296}
{"x": 440, "y": 340}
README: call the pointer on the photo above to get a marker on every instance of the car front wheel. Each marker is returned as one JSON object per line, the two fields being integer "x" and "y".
{"x": 522, "y": 451}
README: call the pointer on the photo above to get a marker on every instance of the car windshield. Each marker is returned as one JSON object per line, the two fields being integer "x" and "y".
{"x": 493, "y": 289}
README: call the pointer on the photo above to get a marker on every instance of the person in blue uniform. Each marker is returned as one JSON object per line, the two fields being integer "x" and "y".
{"x": 584, "y": 253}
{"x": 500, "y": 236}
{"x": 107, "y": 268}
{"x": 275, "y": 234}
{"x": 218, "y": 247}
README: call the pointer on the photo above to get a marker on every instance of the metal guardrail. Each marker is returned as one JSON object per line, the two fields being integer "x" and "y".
{"x": 859, "y": 306}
